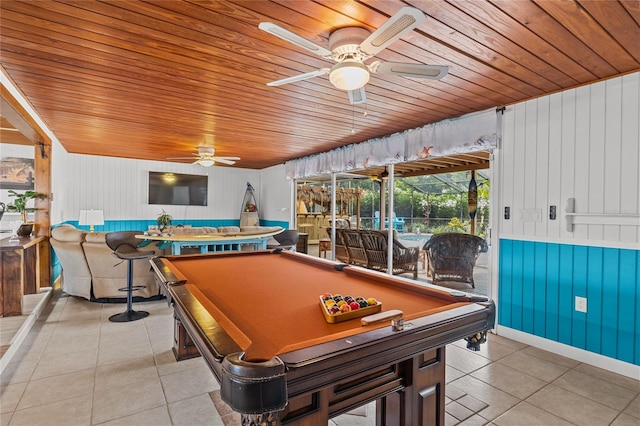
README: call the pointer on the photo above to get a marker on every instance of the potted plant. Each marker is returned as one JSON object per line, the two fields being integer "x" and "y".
{"x": 20, "y": 205}
{"x": 164, "y": 220}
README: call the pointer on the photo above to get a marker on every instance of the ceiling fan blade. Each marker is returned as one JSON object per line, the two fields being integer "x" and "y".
{"x": 305, "y": 76}
{"x": 223, "y": 161}
{"x": 293, "y": 38}
{"x": 357, "y": 96}
{"x": 401, "y": 22}
{"x": 435, "y": 72}
{"x": 182, "y": 158}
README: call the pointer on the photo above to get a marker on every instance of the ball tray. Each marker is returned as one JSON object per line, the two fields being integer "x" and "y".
{"x": 345, "y": 316}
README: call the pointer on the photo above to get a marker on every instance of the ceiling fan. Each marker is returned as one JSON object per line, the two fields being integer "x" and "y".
{"x": 350, "y": 47}
{"x": 206, "y": 157}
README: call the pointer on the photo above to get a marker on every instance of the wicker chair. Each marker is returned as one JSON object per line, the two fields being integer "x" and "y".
{"x": 405, "y": 259}
{"x": 341, "y": 253}
{"x": 353, "y": 242}
{"x": 452, "y": 256}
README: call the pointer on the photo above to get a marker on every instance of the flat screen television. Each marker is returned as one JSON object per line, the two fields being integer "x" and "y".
{"x": 178, "y": 189}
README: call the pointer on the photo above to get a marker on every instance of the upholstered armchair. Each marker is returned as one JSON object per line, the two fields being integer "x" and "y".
{"x": 452, "y": 256}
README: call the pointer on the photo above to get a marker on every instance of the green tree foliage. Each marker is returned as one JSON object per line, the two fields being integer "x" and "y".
{"x": 428, "y": 203}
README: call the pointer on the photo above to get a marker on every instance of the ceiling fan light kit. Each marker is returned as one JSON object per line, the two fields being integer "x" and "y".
{"x": 349, "y": 75}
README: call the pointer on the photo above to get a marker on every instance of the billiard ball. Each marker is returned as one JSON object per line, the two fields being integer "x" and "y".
{"x": 334, "y": 309}
{"x": 345, "y": 308}
{"x": 329, "y": 303}
{"x": 371, "y": 301}
{"x": 354, "y": 305}
{"x": 363, "y": 303}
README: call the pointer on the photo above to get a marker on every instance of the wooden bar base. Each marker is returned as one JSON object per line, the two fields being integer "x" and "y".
{"x": 19, "y": 274}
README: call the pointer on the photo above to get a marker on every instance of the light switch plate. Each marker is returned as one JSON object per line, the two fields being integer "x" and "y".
{"x": 581, "y": 304}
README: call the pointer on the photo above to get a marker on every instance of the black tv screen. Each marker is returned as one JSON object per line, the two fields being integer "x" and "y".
{"x": 178, "y": 189}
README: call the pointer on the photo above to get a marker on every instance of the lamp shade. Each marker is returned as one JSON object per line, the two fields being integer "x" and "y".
{"x": 91, "y": 218}
{"x": 205, "y": 162}
{"x": 349, "y": 75}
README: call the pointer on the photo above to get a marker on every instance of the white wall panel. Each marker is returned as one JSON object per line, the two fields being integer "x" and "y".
{"x": 581, "y": 157}
{"x": 584, "y": 144}
{"x": 541, "y": 166}
{"x": 119, "y": 187}
{"x": 517, "y": 197}
{"x": 555, "y": 164}
{"x": 277, "y": 193}
{"x": 597, "y": 136}
{"x": 567, "y": 166}
{"x": 612, "y": 160}
{"x": 506, "y": 184}
{"x": 630, "y": 154}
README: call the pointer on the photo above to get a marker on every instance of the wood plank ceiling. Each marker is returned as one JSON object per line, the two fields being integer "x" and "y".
{"x": 157, "y": 79}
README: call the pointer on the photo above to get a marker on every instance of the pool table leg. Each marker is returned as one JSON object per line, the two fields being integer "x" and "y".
{"x": 183, "y": 346}
{"x": 270, "y": 419}
{"x": 422, "y": 402}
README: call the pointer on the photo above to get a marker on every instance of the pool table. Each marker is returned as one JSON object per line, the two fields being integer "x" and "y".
{"x": 257, "y": 319}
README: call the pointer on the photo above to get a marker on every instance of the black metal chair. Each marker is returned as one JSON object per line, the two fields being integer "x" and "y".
{"x": 287, "y": 240}
{"x": 125, "y": 246}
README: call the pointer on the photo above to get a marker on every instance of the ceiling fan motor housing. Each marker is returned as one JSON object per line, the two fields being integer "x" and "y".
{"x": 344, "y": 43}
{"x": 206, "y": 150}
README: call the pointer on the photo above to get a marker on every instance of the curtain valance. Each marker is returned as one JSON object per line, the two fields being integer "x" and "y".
{"x": 468, "y": 133}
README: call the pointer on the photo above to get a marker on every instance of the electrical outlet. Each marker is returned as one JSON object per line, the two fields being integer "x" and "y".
{"x": 581, "y": 304}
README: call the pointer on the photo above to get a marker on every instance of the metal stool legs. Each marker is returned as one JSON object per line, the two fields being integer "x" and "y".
{"x": 129, "y": 314}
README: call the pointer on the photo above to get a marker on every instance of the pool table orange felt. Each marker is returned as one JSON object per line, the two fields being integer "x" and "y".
{"x": 269, "y": 303}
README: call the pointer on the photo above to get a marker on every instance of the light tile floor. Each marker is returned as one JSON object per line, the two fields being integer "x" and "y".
{"x": 77, "y": 368}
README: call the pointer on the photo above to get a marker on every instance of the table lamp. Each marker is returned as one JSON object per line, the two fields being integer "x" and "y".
{"x": 91, "y": 218}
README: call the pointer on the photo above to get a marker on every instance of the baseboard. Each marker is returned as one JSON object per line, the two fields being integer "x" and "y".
{"x": 591, "y": 358}
{"x": 28, "y": 324}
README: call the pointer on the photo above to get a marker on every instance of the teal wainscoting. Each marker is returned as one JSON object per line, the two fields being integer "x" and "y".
{"x": 538, "y": 284}
{"x": 143, "y": 225}
{"x": 279, "y": 223}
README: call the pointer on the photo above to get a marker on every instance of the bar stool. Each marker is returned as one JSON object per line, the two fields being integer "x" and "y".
{"x": 324, "y": 245}
{"x": 125, "y": 246}
{"x": 287, "y": 240}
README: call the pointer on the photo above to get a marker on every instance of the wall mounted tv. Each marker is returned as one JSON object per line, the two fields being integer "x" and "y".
{"x": 178, "y": 189}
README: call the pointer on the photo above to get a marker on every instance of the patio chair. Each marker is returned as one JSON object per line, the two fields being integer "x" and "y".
{"x": 341, "y": 253}
{"x": 405, "y": 259}
{"x": 355, "y": 249}
{"x": 452, "y": 256}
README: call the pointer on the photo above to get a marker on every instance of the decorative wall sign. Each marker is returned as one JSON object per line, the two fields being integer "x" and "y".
{"x": 16, "y": 173}
{"x": 473, "y": 198}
